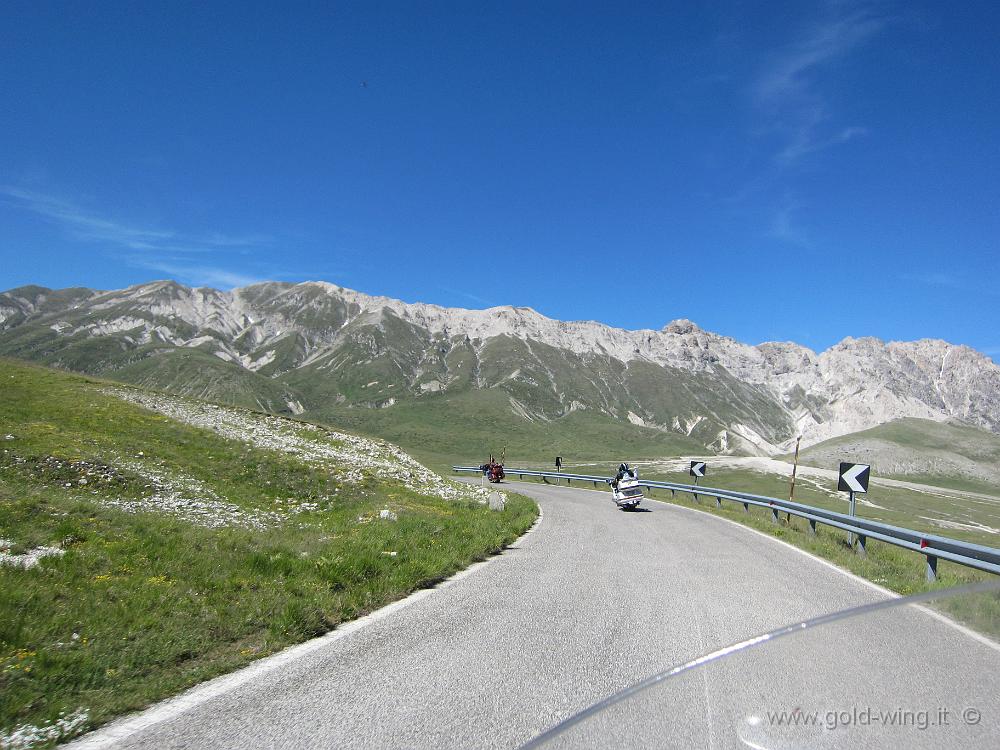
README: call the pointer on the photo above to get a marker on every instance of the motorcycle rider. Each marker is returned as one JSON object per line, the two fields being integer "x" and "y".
{"x": 624, "y": 472}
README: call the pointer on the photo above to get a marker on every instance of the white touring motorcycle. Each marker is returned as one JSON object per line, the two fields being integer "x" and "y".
{"x": 625, "y": 489}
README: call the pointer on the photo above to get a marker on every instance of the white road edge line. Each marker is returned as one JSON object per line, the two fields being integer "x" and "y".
{"x": 170, "y": 708}
{"x": 881, "y": 589}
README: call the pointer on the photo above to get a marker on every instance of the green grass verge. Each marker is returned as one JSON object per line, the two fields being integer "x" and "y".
{"x": 142, "y": 605}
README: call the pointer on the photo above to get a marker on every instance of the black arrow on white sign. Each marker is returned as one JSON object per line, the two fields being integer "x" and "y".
{"x": 853, "y": 477}
{"x": 698, "y": 468}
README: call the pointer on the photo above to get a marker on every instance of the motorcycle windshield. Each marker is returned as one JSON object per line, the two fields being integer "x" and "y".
{"x": 915, "y": 672}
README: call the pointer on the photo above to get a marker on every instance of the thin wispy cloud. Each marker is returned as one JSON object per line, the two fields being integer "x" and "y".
{"x": 806, "y": 142}
{"x": 84, "y": 225}
{"x": 970, "y": 286}
{"x": 784, "y": 226}
{"x": 87, "y": 225}
{"x": 786, "y": 91}
{"x": 788, "y": 74}
{"x": 199, "y": 275}
{"x": 469, "y": 296}
{"x": 795, "y": 114}
{"x": 936, "y": 278}
{"x": 163, "y": 250}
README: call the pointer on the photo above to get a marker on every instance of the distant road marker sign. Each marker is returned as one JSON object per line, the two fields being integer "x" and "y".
{"x": 854, "y": 477}
{"x": 698, "y": 468}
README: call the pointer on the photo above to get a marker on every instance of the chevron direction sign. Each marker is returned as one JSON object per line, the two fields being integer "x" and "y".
{"x": 698, "y": 468}
{"x": 853, "y": 477}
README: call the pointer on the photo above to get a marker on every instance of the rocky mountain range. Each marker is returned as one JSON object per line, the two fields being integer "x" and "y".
{"x": 311, "y": 347}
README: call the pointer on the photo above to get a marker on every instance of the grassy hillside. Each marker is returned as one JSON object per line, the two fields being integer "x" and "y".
{"x": 443, "y": 429}
{"x": 946, "y": 454}
{"x": 200, "y": 374}
{"x": 175, "y": 554}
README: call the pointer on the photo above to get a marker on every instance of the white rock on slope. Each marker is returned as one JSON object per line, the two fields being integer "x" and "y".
{"x": 349, "y": 457}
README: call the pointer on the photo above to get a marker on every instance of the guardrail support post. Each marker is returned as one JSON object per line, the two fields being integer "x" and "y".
{"x": 746, "y": 507}
{"x": 931, "y": 568}
{"x": 774, "y": 515}
{"x": 718, "y": 501}
{"x": 673, "y": 494}
{"x": 862, "y": 545}
{"x": 695, "y": 496}
{"x": 812, "y": 526}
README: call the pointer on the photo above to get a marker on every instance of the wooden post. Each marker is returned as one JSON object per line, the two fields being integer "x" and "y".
{"x": 795, "y": 469}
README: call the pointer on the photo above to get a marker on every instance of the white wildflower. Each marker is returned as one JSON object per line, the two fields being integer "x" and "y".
{"x": 27, "y": 736}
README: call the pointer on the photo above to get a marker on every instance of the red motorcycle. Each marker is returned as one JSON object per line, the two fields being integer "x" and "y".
{"x": 493, "y": 470}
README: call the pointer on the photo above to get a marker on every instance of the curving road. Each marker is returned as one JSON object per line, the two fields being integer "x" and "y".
{"x": 590, "y": 601}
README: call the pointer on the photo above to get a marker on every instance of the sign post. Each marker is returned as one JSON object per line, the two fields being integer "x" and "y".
{"x": 697, "y": 470}
{"x": 853, "y": 479}
{"x": 559, "y": 463}
{"x": 795, "y": 469}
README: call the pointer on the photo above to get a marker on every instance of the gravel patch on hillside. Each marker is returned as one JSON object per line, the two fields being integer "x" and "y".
{"x": 27, "y": 559}
{"x": 351, "y": 457}
{"x": 188, "y": 498}
{"x": 173, "y": 492}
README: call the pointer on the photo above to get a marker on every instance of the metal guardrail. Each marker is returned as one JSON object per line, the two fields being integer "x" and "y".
{"x": 931, "y": 546}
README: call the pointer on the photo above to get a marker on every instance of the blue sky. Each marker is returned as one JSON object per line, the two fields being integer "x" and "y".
{"x": 773, "y": 173}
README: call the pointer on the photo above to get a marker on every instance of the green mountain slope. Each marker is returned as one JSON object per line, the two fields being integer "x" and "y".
{"x": 323, "y": 350}
{"x": 447, "y": 428}
{"x": 199, "y": 374}
{"x": 286, "y": 348}
{"x": 939, "y": 453}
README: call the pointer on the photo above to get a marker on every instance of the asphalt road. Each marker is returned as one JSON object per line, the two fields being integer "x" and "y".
{"x": 591, "y": 601}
